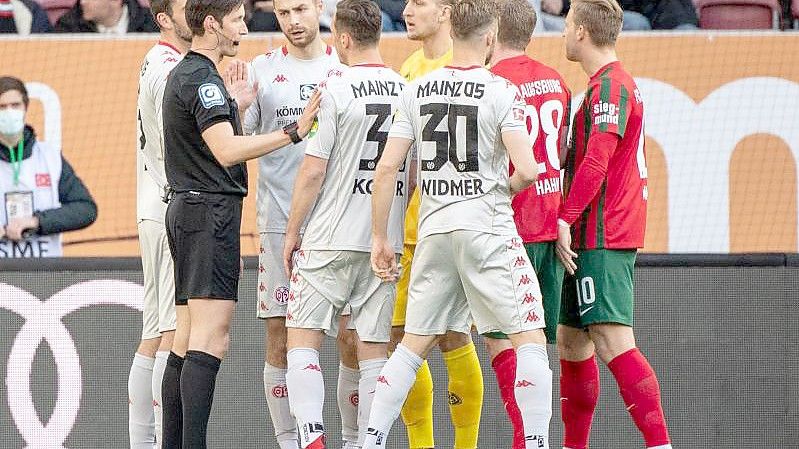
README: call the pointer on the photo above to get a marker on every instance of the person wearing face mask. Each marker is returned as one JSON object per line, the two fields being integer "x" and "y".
{"x": 41, "y": 194}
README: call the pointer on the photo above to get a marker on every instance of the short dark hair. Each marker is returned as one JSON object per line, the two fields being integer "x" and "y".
{"x": 362, "y": 19}
{"x": 516, "y": 23}
{"x": 160, "y": 6}
{"x": 471, "y": 17}
{"x": 198, "y": 10}
{"x": 9, "y": 83}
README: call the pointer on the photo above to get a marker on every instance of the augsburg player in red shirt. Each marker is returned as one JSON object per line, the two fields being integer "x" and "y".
{"x": 600, "y": 227}
{"x": 535, "y": 209}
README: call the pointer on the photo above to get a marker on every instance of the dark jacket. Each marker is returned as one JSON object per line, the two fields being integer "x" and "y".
{"x": 664, "y": 14}
{"x": 77, "y": 210}
{"x": 140, "y": 20}
{"x": 39, "y": 22}
{"x": 393, "y": 8}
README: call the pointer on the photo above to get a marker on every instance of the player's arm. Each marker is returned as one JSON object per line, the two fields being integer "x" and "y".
{"x": 525, "y": 169}
{"x": 230, "y": 149}
{"x": 516, "y": 138}
{"x": 384, "y": 261}
{"x": 310, "y": 177}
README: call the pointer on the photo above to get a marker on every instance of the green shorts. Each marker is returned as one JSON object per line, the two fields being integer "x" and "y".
{"x": 550, "y": 277}
{"x": 601, "y": 291}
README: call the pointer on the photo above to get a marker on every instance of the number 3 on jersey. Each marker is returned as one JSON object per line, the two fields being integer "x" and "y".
{"x": 460, "y": 138}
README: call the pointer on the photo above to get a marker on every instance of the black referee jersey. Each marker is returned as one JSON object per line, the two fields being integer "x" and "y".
{"x": 195, "y": 99}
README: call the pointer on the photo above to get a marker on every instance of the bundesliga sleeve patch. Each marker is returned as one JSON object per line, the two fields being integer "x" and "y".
{"x": 211, "y": 95}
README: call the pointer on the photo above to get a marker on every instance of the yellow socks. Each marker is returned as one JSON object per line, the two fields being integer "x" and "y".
{"x": 465, "y": 394}
{"x": 417, "y": 413}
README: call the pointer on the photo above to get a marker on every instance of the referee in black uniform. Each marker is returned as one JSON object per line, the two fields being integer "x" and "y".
{"x": 204, "y": 158}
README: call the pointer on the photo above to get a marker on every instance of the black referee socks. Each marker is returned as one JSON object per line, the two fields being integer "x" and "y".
{"x": 170, "y": 403}
{"x": 197, "y": 384}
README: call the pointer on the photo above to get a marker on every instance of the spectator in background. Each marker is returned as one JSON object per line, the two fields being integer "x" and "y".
{"x": 108, "y": 17}
{"x": 41, "y": 195}
{"x": 392, "y": 14}
{"x": 261, "y": 16}
{"x": 663, "y": 14}
{"x": 23, "y": 17}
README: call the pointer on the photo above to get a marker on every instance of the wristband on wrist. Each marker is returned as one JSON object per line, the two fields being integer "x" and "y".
{"x": 291, "y": 131}
{"x": 562, "y": 222}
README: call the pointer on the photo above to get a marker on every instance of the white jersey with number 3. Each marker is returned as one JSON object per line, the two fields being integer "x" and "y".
{"x": 456, "y": 117}
{"x": 354, "y": 119}
{"x": 150, "y": 177}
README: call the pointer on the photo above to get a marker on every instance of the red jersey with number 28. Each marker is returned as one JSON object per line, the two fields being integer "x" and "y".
{"x": 615, "y": 217}
{"x": 535, "y": 209}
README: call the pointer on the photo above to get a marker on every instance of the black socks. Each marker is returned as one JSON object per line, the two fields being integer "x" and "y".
{"x": 171, "y": 404}
{"x": 197, "y": 383}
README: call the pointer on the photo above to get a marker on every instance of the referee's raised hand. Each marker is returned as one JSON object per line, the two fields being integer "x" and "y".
{"x": 238, "y": 84}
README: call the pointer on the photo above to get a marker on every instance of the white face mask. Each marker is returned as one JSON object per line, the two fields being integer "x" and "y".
{"x": 12, "y": 121}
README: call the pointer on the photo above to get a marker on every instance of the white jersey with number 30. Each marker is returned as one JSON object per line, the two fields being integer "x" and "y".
{"x": 456, "y": 117}
{"x": 354, "y": 119}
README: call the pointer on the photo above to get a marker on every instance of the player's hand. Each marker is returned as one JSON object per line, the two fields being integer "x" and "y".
{"x": 563, "y": 249}
{"x": 306, "y": 121}
{"x": 17, "y": 226}
{"x": 292, "y": 244}
{"x": 384, "y": 261}
{"x": 238, "y": 85}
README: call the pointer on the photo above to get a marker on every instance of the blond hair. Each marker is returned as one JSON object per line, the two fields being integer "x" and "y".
{"x": 601, "y": 18}
{"x": 470, "y": 18}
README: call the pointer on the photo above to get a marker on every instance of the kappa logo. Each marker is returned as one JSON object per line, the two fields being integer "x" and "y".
{"x": 282, "y": 294}
{"x": 262, "y": 305}
{"x": 289, "y": 316}
{"x": 262, "y": 287}
{"x": 514, "y": 243}
{"x": 280, "y": 391}
{"x": 524, "y": 280}
{"x": 454, "y": 399}
{"x": 306, "y": 91}
{"x": 532, "y": 317}
{"x": 280, "y": 79}
{"x": 295, "y": 278}
{"x": 382, "y": 380}
{"x": 262, "y": 250}
{"x": 261, "y": 268}
{"x": 528, "y": 298}
{"x": 519, "y": 262}
{"x": 43, "y": 180}
{"x": 211, "y": 95}
{"x": 313, "y": 367}
{"x": 291, "y": 296}
{"x": 524, "y": 383}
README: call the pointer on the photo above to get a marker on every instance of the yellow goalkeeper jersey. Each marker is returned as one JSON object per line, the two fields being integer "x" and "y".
{"x": 415, "y": 66}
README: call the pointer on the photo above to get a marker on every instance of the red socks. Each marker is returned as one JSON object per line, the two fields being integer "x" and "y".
{"x": 504, "y": 365}
{"x": 640, "y": 390}
{"x": 579, "y": 393}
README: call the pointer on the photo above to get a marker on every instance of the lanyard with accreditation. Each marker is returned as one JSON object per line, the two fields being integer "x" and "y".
{"x": 19, "y": 204}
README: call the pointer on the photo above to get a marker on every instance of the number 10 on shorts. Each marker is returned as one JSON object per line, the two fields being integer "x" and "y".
{"x": 586, "y": 294}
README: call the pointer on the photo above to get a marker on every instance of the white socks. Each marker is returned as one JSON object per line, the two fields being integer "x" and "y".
{"x": 533, "y": 391}
{"x": 158, "y": 376}
{"x": 306, "y": 395}
{"x": 141, "y": 420}
{"x": 277, "y": 400}
{"x": 347, "y": 395}
{"x": 392, "y": 386}
{"x": 370, "y": 370}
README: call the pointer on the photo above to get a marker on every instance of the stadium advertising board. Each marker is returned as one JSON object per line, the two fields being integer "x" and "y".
{"x": 722, "y": 132}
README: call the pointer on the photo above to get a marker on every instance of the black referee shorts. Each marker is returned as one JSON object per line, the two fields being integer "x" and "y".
{"x": 203, "y": 233}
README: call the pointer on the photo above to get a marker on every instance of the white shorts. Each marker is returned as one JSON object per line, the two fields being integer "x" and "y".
{"x": 323, "y": 283}
{"x": 460, "y": 272}
{"x": 273, "y": 286}
{"x": 159, "y": 280}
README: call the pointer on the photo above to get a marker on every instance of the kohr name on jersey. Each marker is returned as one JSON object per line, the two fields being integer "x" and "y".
{"x": 363, "y": 186}
{"x": 541, "y": 87}
{"x": 451, "y": 89}
{"x": 391, "y": 88}
{"x": 452, "y": 187}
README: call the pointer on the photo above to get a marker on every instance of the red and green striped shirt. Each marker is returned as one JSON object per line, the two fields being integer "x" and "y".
{"x": 606, "y": 203}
